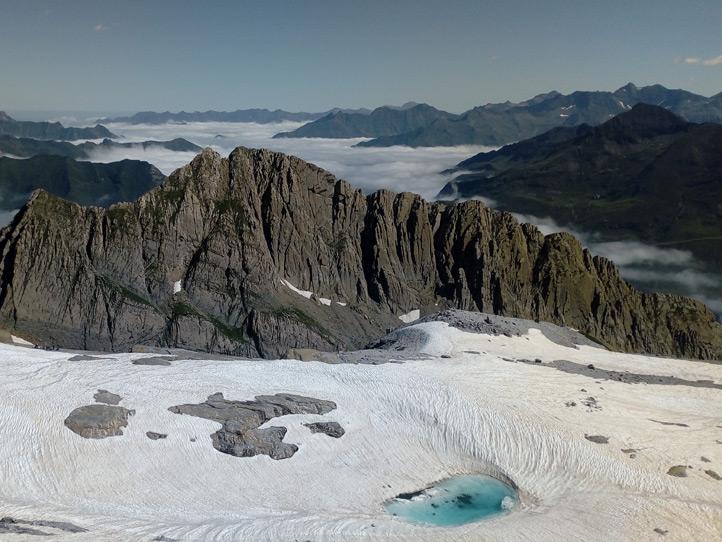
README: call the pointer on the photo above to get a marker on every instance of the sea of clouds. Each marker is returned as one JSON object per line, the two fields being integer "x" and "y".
{"x": 396, "y": 168}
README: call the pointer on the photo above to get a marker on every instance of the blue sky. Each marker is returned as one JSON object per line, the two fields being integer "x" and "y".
{"x": 312, "y": 55}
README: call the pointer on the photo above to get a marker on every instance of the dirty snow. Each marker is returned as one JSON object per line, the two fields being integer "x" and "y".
{"x": 20, "y": 341}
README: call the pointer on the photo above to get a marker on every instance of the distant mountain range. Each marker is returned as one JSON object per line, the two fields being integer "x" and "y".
{"x": 646, "y": 175}
{"x": 502, "y": 123}
{"x": 49, "y": 130}
{"x": 86, "y": 183}
{"x": 383, "y": 121}
{"x": 260, "y": 116}
{"x": 25, "y": 147}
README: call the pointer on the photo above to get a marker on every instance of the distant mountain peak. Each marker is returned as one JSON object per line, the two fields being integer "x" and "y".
{"x": 4, "y": 117}
{"x": 645, "y": 120}
{"x": 629, "y": 87}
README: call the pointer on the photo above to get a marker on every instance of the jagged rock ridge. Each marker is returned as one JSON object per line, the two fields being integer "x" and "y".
{"x": 208, "y": 260}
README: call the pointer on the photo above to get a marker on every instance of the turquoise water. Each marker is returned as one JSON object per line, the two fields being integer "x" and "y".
{"x": 455, "y": 501}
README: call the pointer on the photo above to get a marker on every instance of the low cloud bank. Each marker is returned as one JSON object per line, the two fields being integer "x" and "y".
{"x": 7, "y": 216}
{"x": 395, "y": 168}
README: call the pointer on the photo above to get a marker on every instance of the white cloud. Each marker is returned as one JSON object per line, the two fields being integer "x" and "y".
{"x": 100, "y": 27}
{"x": 396, "y": 168}
{"x": 7, "y": 216}
{"x": 716, "y": 61}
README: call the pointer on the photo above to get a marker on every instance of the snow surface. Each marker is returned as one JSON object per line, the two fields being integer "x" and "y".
{"x": 307, "y": 293}
{"x": 411, "y": 316}
{"x": 177, "y": 286}
{"x": 407, "y": 426}
{"x": 19, "y": 340}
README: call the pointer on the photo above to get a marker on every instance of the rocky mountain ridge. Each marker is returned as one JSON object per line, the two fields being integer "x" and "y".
{"x": 645, "y": 175}
{"x": 261, "y": 252}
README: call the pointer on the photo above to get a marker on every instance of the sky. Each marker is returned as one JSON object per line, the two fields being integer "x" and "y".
{"x": 114, "y": 56}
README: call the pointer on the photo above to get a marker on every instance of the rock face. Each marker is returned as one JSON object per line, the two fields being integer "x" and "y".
{"x": 240, "y": 434}
{"x": 260, "y": 252}
{"x": 98, "y": 421}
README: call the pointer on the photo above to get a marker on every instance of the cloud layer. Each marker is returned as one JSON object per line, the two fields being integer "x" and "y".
{"x": 395, "y": 168}
{"x": 716, "y": 61}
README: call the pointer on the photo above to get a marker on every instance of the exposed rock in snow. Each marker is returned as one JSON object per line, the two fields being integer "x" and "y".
{"x": 152, "y": 435}
{"x": 98, "y": 421}
{"x": 163, "y": 361}
{"x": 104, "y": 396}
{"x": 240, "y": 434}
{"x": 332, "y": 429}
{"x": 18, "y": 526}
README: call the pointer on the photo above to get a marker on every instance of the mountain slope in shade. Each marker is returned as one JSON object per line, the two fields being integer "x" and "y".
{"x": 26, "y": 147}
{"x": 645, "y": 174}
{"x": 49, "y": 130}
{"x": 85, "y": 183}
{"x": 383, "y": 121}
{"x": 261, "y": 252}
{"x": 499, "y": 124}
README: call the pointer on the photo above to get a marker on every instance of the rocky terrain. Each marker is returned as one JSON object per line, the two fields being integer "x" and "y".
{"x": 240, "y": 434}
{"x": 261, "y": 252}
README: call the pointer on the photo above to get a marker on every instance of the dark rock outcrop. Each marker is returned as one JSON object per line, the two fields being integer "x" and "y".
{"x": 98, "y": 421}
{"x": 206, "y": 261}
{"x": 240, "y": 434}
{"x": 104, "y": 396}
{"x": 332, "y": 429}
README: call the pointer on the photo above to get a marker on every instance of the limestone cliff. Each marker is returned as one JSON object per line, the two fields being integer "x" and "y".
{"x": 214, "y": 258}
